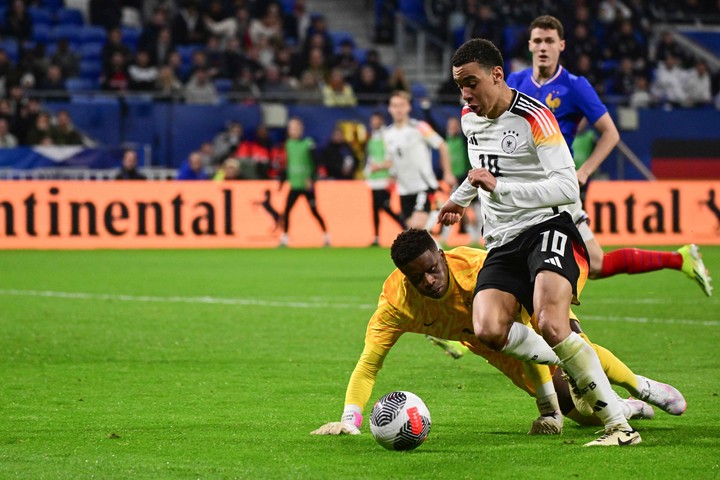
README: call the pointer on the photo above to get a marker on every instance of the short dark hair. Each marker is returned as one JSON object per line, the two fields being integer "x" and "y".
{"x": 478, "y": 50}
{"x": 410, "y": 244}
{"x": 548, "y": 22}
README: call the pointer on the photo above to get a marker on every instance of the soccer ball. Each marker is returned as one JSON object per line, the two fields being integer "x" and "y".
{"x": 400, "y": 421}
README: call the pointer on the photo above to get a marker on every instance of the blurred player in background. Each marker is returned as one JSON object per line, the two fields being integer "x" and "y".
{"x": 378, "y": 176}
{"x": 431, "y": 292}
{"x": 571, "y": 98}
{"x": 408, "y": 144}
{"x": 300, "y": 173}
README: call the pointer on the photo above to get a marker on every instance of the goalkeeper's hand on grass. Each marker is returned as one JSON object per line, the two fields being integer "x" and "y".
{"x": 349, "y": 423}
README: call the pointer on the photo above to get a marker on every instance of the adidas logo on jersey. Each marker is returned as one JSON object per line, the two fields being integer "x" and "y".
{"x": 554, "y": 261}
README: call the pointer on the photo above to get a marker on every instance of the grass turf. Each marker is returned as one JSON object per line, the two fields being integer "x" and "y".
{"x": 218, "y": 364}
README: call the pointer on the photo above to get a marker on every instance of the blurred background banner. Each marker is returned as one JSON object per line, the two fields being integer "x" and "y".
{"x": 247, "y": 214}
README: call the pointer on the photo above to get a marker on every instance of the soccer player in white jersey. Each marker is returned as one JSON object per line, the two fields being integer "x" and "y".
{"x": 525, "y": 177}
{"x": 408, "y": 144}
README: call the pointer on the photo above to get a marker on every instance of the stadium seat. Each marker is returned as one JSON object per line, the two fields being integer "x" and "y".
{"x": 287, "y": 5}
{"x": 69, "y": 16}
{"x": 130, "y": 37}
{"x": 90, "y": 70}
{"x": 78, "y": 84}
{"x": 69, "y": 32}
{"x": 92, "y": 34}
{"x": 223, "y": 85}
{"x": 52, "y": 5}
{"x": 91, "y": 51}
{"x": 11, "y": 47}
{"x": 40, "y": 33}
{"x": 339, "y": 37}
{"x": 40, "y": 16}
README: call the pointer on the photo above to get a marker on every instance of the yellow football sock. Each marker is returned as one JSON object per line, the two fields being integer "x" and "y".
{"x": 617, "y": 372}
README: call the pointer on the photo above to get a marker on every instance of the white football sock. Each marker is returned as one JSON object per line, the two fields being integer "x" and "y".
{"x": 581, "y": 362}
{"x": 526, "y": 345}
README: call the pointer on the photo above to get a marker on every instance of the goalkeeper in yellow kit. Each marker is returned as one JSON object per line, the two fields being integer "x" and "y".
{"x": 431, "y": 292}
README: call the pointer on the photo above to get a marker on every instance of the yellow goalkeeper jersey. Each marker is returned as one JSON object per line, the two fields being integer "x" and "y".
{"x": 401, "y": 308}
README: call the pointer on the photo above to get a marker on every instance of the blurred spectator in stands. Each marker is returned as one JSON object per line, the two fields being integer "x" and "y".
{"x": 200, "y": 89}
{"x": 308, "y": 89}
{"x": 372, "y": 59}
{"x": 175, "y": 62}
{"x": 252, "y": 61}
{"x": 337, "y": 161}
{"x": 40, "y": 134}
{"x": 230, "y": 170}
{"x": 142, "y": 75}
{"x": 317, "y": 42}
{"x": 698, "y": 85}
{"x": 579, "y": 43}
{"x": 276, "y": 86}
{"x": 167, "y": 85}
{"x": 586, "y": 68}
{"x": 188, "y": 27}
{"x": 236, "y": 26}
{"x": 53, "y": 83}
{"x": 150, "y": 6}
{"x": 669, "y": 83}
{"x": 6, "y": 112}
{"x": 667, "y": 46}
{"x": 483, "y": 23}
{"x": 115, "y": 76}
{"x": 115, "y": 45}
{"x": 296, "y": 23}
{"x": 623, "y": 82}
{"x": 215, "y": 10}
{"x": 129, "y": 169}
{"x": 245, "y": 85}
{"x": 199, "y": 61}
{"x": 268, "y": 29}
{"x": 34, "y": 64}
{"x": 16, "y": 98}
{"x": 151, "y": 30}
{"x": 234, "y": 59}
{"x": 9, "y": 74}
{"x": 449, "y": 91}
{"x": 613, "y": 11}
{"x": 317, "y": 66}
{"x": 162, "y": 48}
{"x": 283, "y": 60}
{"x": 368, "y": 89}
{"x": 345, "y": 59}
{"x": 641, "y": 97}
{"x": 7, "y": 139}
{"x": 18, "y": 23}
{"x": 24, "y": 120}
{"x": 215, "y": 57}
{"x": 66, "y": 58}
{"x": 398, "y": 80}
{"x": 226, "y": 142}
{"x": 338, "y": 93}
{"x": 105, "y": 13}
{"x": 63, "y": 132}
{"x": 624, "y": 43}
{"x": 192, "y": 168}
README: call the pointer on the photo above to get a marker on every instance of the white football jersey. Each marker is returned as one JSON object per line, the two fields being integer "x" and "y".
{"x": 408, "y": 147}
{"x": 526, "y": 152}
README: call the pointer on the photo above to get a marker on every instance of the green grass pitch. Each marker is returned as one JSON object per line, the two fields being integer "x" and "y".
{"x": 218, "y": 364}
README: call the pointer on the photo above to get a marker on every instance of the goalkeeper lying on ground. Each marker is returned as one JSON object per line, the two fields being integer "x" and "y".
{"x": 432, "y": 294}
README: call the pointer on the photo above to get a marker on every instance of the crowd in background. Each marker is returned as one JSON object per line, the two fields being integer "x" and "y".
{"x": 199, "y": 51}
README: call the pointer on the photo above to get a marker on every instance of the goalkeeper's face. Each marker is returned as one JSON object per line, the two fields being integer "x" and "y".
{"x": 429, "y": 274}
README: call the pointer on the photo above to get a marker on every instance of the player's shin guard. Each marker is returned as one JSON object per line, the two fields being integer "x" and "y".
{"x": 580, "y": 361}
{"x": 526, "y": 345}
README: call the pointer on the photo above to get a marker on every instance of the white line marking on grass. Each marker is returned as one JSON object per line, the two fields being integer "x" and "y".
{"x": 293, "y": 304}
{"x": 205, "y": 300}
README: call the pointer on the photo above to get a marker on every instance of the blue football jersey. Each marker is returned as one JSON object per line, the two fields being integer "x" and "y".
{"x": 569, "y": 97}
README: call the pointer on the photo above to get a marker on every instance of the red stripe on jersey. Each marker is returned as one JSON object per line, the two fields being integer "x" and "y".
{"x": 465, "y": 110}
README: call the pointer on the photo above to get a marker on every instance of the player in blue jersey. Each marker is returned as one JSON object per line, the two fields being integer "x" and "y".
{"x": 571, "y": 98}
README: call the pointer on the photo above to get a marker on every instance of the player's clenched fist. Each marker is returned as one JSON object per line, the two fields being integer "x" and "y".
{"x": 482, "y": 178}
{"x": 450, "y": 213}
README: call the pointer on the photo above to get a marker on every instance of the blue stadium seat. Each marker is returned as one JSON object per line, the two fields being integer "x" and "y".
{"x": 223, "y": 85}
{"x": 40, "y": 16}
{"x": 186, "y": 52}
{"x": 90, "y": 70}
{"x": 130, "y": 37}
{"x": 11, "y": 47}
{"x": 91, "y": 51}
{"x": 414, "y": 10}
{"x": 287, "y": 5}
{"x": 92, "y": 34}
{"x": 52, "y": 5}
{"x": 69, "y": 32}
{"x": 339, "y": 37}
{"x": 40, "y": 33}
{"x": 69, "y": 16}
{"x": 79, "y": 84}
